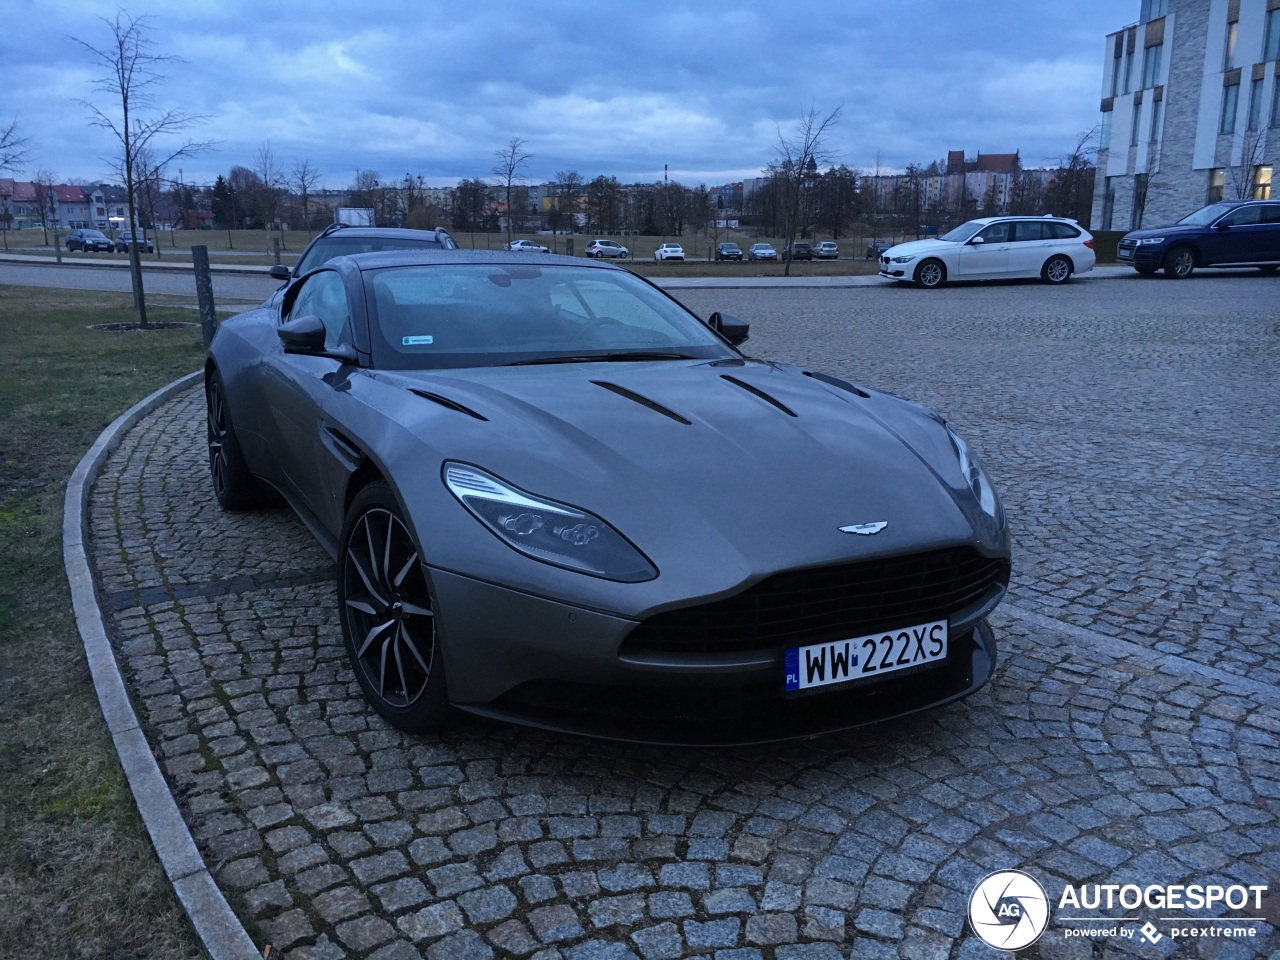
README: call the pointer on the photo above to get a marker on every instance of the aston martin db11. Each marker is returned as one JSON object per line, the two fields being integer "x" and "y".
{"x": 555, "y": 496}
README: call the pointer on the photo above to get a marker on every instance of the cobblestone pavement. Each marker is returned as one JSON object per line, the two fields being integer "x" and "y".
{"x": 1129, "y": 736}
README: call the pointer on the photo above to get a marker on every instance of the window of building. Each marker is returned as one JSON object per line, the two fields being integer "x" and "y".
{"x": 1151, "y": 65}
{"x": 1275, "y": 103}
{"x": 1128, "y": 70}
{"x": 1137, "y": 124}
{"x": 1271, "y": 49}
{"x": 1104, "y": 135}
{"x": 1262, "y": 183}
{"x": 1217, "y": 179}
{"x": 1255, "y": 103}
{"x": 1116, "y": 67}
{"x": 1229, "y": 57}
{"x": 1154, "y": 9}
{"x": 1139, "y": 200}
{"x": 1157, "y": 114}
{"x": 1230, "y": 96}
{"x": 1108, "y": 202}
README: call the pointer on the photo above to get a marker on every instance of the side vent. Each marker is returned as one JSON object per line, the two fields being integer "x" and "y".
{"x": 448, "y": 404}
{"x": 642, "y": 400}
{"x": 756, "y": 391}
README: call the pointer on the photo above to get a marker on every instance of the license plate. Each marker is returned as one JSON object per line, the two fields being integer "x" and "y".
{"x": 1124, "y": 254}
{"x": 862, "y": 658}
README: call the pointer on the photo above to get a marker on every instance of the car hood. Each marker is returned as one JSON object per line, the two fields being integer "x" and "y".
{"x": 919, "y": 248}
{"x": 1176, "y": 230}
{"x": 720, "y": 472}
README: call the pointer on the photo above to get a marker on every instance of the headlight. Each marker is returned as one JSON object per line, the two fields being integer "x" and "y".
{"x": 907, "y": 259}
{"x": 552, "y": 532}
{"x": 976, "y": 477}
{"x": 1146, "y": 240}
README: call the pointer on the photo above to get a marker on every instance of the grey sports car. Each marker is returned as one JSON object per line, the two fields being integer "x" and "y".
{"x": 555, "y": 496}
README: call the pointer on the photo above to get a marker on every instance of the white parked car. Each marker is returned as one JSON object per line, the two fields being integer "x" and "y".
{"x": 526, "y": 246}
{"x": 994, "y": 248}
{"x": 669, "y": 251}
{"x": 606, "y": 248}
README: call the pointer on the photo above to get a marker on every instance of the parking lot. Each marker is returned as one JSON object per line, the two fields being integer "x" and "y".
{"x": 1128, "y": 738}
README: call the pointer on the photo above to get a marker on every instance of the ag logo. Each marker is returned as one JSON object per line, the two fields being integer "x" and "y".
{"x": 1009, "y": 910}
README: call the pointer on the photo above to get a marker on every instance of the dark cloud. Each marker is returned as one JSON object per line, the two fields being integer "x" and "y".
{"x": 620, "y": 89}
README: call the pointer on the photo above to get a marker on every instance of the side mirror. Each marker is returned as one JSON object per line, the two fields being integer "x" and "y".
{"x": 306, "y": 335}
{"x": 977, "y": 240}
{"x": 278, "y": 272}
{"x": 1224, "y": 226}
{"x": 302, "y": 335}
{"x": 730, "y": 327}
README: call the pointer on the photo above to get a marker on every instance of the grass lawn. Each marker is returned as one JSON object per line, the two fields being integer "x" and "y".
{"x": 78, "y": 877}
{"x": 256, "y": 247}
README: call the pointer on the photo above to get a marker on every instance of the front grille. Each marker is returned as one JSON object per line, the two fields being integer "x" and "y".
{"x": 1128, "y": 245}
{"x": 813, "y": 605}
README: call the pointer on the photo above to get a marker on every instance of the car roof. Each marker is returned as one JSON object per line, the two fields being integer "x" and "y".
{"x": 436, "y": 258}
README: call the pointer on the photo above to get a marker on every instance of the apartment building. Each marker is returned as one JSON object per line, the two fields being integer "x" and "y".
{"x": 1190, "y": 110}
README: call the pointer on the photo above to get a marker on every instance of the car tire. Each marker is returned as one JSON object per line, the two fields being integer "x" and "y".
{"x": 1056, "y": 270}
{"x": 233, "y": 484}
{"x": 1179, "y": 263}
{"x": 387, "y": 613}
{"x": 930, "y": 274}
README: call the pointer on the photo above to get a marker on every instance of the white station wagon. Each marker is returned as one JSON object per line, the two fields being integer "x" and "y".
{"x": 994, "y": 248}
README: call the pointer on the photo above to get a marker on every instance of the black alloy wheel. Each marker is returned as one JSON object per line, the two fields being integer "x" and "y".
{"x": 388, "y": 618}
{"x": 1179, "y": 263}
{"x": 233, "y": 484}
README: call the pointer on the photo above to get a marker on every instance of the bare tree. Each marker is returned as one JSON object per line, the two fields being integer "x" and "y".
{"x": 46, "y": 193}
{"x": 796, "y": 158}
{"x": 272, "y": 177}
{"x": 1071, "y": 192}
{"x": 568, "y": 187}
{"x": 132, "y": 75}
{"x": 510, "y": 159}
{"x": 1242, "y": 175}
{"x": 13, "y": 148}
{"x": 303, "y": 179}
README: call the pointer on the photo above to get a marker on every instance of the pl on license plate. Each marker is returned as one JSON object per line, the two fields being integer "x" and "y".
{"x": 861, "y": 658}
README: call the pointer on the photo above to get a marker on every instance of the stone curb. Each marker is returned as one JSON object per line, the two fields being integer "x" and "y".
{"x": 216, "y": 926}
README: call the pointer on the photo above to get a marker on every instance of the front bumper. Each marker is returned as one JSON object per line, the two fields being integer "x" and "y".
{"x": 520, "y": 658}
{"x": 1140, "y": 255}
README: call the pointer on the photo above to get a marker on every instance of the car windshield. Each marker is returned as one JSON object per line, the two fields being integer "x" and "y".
{"x": 426, "y": 317}
{"x": 341, "y": 246}
{"x": 1205, "y": 215}
{"x": 963, "y": 232}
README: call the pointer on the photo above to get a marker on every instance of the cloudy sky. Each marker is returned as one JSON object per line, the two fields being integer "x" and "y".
{"x": 615, "y": 88}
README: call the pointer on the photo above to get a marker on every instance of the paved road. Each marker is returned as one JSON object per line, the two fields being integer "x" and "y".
{"x": 227, "y": 286}
{"x": 1129, "y": 737}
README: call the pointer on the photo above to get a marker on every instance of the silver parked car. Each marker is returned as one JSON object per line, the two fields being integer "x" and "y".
{"x": 555, "y": 496}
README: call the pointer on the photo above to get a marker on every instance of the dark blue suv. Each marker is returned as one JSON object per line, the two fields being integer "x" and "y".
{"x": 1232, "y": 233}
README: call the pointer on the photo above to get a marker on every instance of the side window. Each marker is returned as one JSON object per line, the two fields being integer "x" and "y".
{"x": 324, "y": 296}
{"x": 1028, "y": 230}
{"x": 1244, "y": 215}
{"x": 995, "y": 233}
{"x": 1271, "y": 213}
{"x": 1060, "y": 231}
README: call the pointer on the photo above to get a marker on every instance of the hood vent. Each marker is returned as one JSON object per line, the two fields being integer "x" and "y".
{"x": 447, "y": 403}
{"x": 756, "y": 391}
{"x": 835, "y": 382}
{"x": 642, "y": 400}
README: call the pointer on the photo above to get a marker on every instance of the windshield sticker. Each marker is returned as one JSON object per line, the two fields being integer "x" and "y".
{"x": 416, "y": 341}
